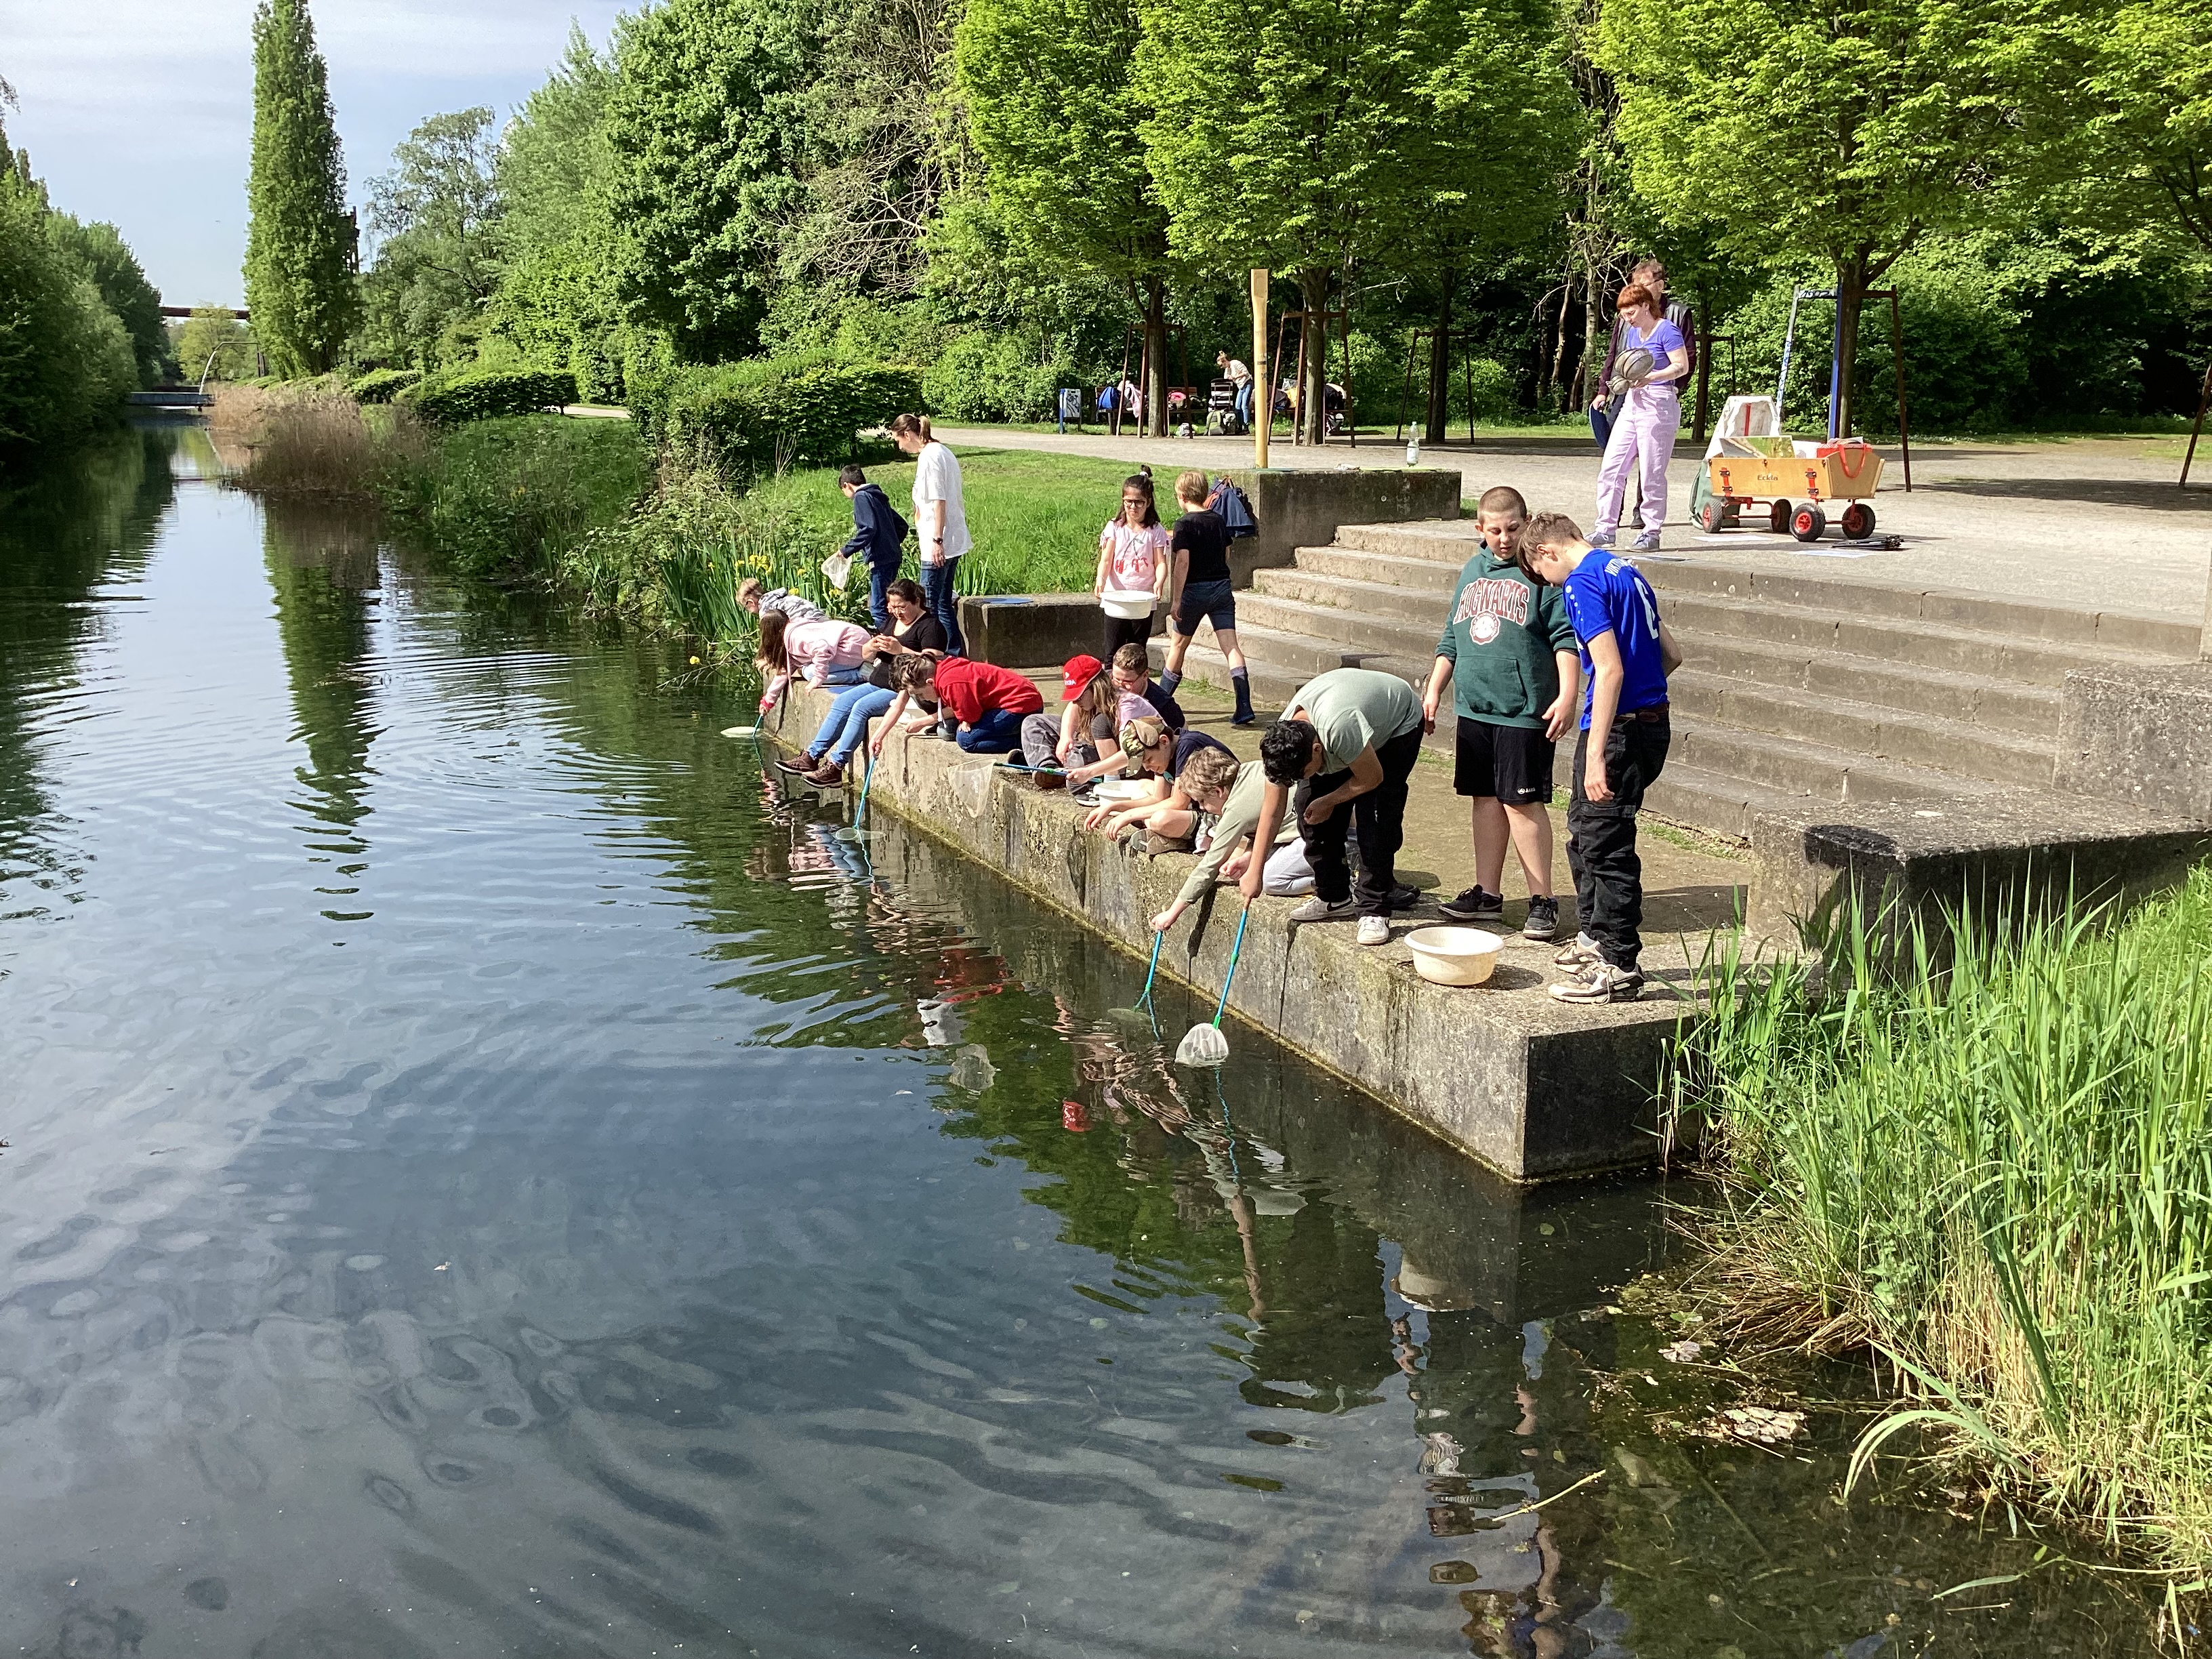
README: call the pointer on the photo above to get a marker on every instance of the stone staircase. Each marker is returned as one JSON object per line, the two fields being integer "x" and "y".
{"x": 1794, "y": 690}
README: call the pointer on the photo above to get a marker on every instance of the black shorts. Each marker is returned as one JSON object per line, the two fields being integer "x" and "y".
{"x": 1214, "y": 602}
{"x": 1512, "y": 763}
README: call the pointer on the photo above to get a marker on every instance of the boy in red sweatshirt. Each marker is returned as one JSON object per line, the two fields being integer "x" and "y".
{"x": 987, "y": 703}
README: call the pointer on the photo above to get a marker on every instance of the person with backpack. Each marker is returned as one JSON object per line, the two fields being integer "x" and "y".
{"x": 878, "y": 533}
{"x": 1652, "y": 274}
{"x": 1200, "y": 585}
{"x": 1647, "y": 417}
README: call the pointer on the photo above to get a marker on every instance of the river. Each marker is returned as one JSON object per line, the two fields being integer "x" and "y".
{"x": 490, "y": 1174}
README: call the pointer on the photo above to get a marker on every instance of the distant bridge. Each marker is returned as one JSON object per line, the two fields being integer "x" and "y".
{"x": 170, "y": 396}
{"x": 188, "y": 311}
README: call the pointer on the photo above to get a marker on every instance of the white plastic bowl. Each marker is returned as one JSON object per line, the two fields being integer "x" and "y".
{"x": 1454, "y": 955}
{"x": 1122, "y": 789}
{"x": 1126, "y": 604}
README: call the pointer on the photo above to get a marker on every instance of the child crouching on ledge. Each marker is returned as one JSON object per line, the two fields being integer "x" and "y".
{"x": 980, "y": 706}
{"x": 1227, "y": 795}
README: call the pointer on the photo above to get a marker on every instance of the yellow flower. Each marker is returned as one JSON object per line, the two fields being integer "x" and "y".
{"x": 695, "y": 662}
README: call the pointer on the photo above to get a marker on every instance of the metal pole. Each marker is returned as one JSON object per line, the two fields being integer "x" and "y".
{"x": 1406, "y": 386}
{"x": 1351, "y": 420}
{"x": 2203, "y": 398}
{"x": 1263, "y": 387}
{"x": 1705, "y": 387}
{"x": 1897, "y": 356}
{"x": 1835, "y": 365}
{"x": 1788, "y": 339}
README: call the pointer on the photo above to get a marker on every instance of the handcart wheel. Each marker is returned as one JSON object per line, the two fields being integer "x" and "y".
{"x": 1715, "y": 513}
{"x": 1858, "y": 521}
{"x": 1808, "y": 523}
{"x": 1777, "y": 517}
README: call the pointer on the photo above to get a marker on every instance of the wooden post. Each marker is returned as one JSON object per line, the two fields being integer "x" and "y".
{"x": 2203, "y": 397}
{"x": 1263, "y": 385}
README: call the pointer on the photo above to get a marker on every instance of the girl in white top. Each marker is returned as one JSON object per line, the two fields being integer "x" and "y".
{"x": 940, "y": 520}
{"x": 1132, "y": 558}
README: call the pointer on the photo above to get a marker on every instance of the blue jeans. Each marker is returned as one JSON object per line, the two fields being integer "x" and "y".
{"x": 847, "y": 723}
{"x": 994, "y": 734}
{"x": 879, "y": 587}
{"x": 841, "y": 677}
{"x": 937, "y": 583}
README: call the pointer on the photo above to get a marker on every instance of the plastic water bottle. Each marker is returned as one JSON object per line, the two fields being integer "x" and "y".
{"x": 1412, "y": 452}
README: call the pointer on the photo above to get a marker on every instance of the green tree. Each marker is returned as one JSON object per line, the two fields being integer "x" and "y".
{"x": 437, "y": 216}
{"x": 301, "y": 241}
{"x": 1055, "y": 112}
{"x": 1304, "y": 135}
{"x": 65, "y": 362}
{"x": 115, "y": 271}
{"x": 706, "y": 122}
{"x": 1841, "y": 131}
{"x": 215, "y": 343}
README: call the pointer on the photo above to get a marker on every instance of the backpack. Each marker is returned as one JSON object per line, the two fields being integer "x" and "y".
{"x": 1236, "y": 512}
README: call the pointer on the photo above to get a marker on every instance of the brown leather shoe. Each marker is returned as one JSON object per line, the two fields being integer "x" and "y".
{"x": 828, "y": 776}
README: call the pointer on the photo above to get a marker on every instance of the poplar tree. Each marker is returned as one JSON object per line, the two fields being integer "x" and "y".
{"x": 301, "y": 241}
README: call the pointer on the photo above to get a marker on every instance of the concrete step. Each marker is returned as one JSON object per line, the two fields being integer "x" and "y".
{"x": 2106, "y": 632}
{"x": 1894, "y": 640}
{"x": 1915, "y": 737}
{"x": 1815, "y": 772}
{"x": 1449, "y": 541}
{"x": 1705, "y": 800}
{"x": 1404, "y": 623}
{"x": 1431, "y": 576}
{"x": 1978, "y": 700}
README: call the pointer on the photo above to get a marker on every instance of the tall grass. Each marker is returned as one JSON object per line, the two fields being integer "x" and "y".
{"x": 307, "y": 439}
{"x": 1999, "y": 1170}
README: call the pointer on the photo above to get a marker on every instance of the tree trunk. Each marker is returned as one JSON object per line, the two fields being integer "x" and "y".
{"x": 1156, "y": 356}
{"x": 1560, "y": 336}
{"x": 1313, "y": 394}
{"x": 1594, "y": 309}
{"x": 1440, "y": 369}
{"x": 1850, "y": 298}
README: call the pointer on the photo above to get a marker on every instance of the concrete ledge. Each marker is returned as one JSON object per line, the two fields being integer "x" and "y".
{"x": 2141, "y": 735}
{"x": 1534, "y": 1088}
{"x": 1036, "y": 630}
{"x": 2012, "y": 853}
{"x": 1305, "y": 508}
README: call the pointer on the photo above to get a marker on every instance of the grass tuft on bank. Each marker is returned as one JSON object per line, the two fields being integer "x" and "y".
{"x": 2001, "y": 1175}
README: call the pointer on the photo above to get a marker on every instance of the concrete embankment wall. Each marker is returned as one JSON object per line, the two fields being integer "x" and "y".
{"x": 1535, "y": 1089}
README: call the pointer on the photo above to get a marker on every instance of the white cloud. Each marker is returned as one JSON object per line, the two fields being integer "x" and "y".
{"x": 141, "y": 111}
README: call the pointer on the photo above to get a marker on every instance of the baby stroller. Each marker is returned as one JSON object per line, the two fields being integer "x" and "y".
{"x": 1223, "y": 419}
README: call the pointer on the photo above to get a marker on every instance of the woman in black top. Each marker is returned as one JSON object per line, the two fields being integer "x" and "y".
{"x": 846, "y": 726}
{"x": 1199, "y": 588}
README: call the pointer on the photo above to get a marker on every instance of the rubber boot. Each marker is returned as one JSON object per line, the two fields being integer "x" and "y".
{"x": 1241, "y": 682}
{"x": 1170, "y": 678}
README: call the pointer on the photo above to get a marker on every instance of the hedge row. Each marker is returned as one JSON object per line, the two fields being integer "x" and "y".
{"x": 381, "y": 385}
{"x": 486, "y": 394}
{"x": 772, "y": 411}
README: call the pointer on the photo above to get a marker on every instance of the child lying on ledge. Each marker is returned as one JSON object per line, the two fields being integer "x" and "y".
{"x": 1167, "y": 814}
{"x": 1227, "y": 796}
{"x": 980, "y": 705}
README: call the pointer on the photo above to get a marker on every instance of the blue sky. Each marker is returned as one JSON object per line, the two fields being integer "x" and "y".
{"x": 141, "y": 112}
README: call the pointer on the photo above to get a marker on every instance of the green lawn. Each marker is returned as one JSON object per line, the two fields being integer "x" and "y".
{"x": 1035, "y": 517}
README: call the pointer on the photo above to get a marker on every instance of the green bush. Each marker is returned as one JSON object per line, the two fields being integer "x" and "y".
{"x": 771, "y": 412}
{"x": 381, "y": 385}
{"x": 488, "y": 394}
{"x": 984, "y": 376}
{"x": 505, "y": 498}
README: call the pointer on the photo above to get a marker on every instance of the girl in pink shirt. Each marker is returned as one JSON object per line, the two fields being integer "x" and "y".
{"x": 1132, "y": 558}
{"x": 824, "y": 653}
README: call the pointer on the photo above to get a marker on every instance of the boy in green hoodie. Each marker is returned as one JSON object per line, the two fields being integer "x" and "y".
{"x": 1510, "y": 652}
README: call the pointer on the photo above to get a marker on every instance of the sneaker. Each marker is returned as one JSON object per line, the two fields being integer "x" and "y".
{"x": 1403, "y": 897}
{"x": 1543, "y": 919}
{"x": 1374, "y": 930}
{"x": 797, "y": 765}
{"x": 1156, "y": 843}
{"x": 1318, "y": 909}
{"x": 828, "y": 776}
{"x": 1579, "y": 952}
{"x": 1475, "y": 905}
{"x": 1601, "y": 537}
{"x": 1599, "y": 983}
{"x": 1647, "y": 542}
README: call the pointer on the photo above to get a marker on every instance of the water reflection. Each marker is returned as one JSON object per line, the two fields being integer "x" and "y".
{"x": 665, "y": 1221}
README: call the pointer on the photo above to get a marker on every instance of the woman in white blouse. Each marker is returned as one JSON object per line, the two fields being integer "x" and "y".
{"x": 940, "y": 519}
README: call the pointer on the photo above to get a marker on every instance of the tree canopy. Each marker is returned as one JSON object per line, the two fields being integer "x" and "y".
{"x": 437, "y": 214}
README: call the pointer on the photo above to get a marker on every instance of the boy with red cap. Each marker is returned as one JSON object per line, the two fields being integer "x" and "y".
{"x": 984, "y": 704}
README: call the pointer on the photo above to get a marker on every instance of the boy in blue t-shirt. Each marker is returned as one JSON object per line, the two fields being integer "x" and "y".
{"x": 1626, "y": 655}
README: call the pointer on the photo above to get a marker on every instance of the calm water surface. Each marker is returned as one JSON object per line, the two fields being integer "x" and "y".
{"x": 489, "y": 1176}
